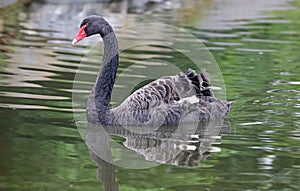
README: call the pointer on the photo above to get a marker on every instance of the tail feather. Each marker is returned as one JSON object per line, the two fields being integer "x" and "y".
{"x": 201, "y": 82}
{"x": 229, "y": 104}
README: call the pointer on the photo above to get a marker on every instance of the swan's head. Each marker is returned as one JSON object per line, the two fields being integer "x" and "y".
{"x": 92, "y": 25}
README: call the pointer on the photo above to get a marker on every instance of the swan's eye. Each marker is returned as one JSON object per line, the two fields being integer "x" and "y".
{"x": 83, "y": 24}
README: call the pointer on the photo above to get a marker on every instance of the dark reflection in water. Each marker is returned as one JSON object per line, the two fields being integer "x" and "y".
{"x": 185, "y": 145}
{"x": 256, "y": 44}
{"x": 106, "y": 173}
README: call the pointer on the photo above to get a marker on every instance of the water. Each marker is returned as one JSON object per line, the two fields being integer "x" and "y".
{"x": 256, "y": 47}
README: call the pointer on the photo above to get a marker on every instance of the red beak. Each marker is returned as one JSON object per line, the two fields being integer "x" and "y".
{"x": 80, "y": 35}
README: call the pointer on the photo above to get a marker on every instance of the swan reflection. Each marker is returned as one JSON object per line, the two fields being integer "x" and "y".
{"x": 183, "y": 145}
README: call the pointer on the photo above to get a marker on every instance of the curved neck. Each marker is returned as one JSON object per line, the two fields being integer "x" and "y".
{"x": 107, "y": 74}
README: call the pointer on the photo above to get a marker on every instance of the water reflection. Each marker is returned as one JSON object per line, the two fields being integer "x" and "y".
{"x": 185, "y": 145}
{"x": 106, "y": 173}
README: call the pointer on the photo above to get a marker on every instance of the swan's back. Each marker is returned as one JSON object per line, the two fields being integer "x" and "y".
{"x": 170, "y": 100}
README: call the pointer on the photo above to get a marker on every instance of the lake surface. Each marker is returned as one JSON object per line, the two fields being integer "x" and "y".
{"x": 255, "y": 44}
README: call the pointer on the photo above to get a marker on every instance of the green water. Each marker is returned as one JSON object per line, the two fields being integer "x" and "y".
{"x": 41, "y": 149}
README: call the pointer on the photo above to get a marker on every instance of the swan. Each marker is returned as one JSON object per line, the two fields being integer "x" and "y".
{"x": 169, "y": 100}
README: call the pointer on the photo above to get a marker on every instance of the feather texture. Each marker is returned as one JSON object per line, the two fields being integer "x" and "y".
{"x": 170, "y": 100}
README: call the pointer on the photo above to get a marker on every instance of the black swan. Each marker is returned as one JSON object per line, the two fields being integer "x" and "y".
{"x": 166, "y": 101}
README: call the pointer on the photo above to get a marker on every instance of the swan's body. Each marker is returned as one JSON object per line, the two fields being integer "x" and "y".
{"x": 165, "y": 101}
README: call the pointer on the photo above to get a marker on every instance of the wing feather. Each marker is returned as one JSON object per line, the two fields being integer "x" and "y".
{"x": 160, "y": 99}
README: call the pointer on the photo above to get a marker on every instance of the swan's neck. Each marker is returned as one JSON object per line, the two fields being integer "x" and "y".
{"x": 107, "y": 74}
